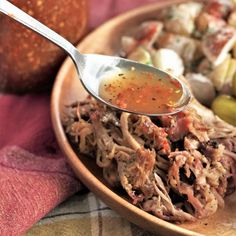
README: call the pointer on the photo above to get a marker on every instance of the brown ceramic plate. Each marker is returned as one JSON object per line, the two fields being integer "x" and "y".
{"x": 67, "y": 89}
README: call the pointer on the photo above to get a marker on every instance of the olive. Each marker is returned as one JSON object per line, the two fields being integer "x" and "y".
{"x": 234, "y": 85}
{"x": 225, "y": 107}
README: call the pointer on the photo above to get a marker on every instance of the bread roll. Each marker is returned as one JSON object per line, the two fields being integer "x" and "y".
{"x": 28, "y": 62}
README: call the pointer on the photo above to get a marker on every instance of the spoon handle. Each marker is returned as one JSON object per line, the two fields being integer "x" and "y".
{"x": 18, "y": 15}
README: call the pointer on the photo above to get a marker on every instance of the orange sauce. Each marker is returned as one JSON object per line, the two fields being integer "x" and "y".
{"x": 141, "y": 92}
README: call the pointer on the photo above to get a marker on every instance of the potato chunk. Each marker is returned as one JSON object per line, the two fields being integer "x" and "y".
{"x": 217, "y": 45}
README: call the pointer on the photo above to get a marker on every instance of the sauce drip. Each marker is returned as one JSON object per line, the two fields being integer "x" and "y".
{"x": 142, "y": 92}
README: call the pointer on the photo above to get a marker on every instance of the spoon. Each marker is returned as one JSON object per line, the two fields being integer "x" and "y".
{"x": 92, "y": 68}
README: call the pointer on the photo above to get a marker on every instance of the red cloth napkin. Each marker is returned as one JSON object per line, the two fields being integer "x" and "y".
{"x": 34, "y": 174}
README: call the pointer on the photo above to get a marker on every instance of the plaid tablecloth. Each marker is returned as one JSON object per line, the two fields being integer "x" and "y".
{"x": 84, "y": 215}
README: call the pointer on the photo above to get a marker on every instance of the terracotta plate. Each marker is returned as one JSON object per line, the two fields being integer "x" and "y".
{"x": 67, "y": 89}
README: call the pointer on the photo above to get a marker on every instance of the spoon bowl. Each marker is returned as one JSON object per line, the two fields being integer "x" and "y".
{"x": 92, "y": 68}
{"x": 96, "y": 67}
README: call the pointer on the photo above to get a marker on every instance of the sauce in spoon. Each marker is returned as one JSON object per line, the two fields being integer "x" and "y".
{"x": 142, "y": 92}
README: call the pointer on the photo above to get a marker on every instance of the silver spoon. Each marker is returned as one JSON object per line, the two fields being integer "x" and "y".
{"x": 92, "y": 67}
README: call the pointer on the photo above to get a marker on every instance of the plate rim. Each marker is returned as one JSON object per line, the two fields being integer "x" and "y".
{"x": 87, "y": 177}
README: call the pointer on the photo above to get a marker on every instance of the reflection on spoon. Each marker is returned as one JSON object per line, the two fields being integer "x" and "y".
{"x": 93, "y": 69}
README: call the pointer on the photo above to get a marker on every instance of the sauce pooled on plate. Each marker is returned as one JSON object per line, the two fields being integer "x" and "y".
{"x": 142, "y": 92}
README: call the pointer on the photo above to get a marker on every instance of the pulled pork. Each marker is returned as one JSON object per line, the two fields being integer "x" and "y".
{"x": 177, "y": 167}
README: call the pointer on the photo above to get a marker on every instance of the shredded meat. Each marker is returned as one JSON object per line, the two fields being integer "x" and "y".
{"x": 177, "y": 167}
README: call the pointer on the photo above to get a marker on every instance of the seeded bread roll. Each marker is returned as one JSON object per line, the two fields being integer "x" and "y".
{"x": 29, "y": 62}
